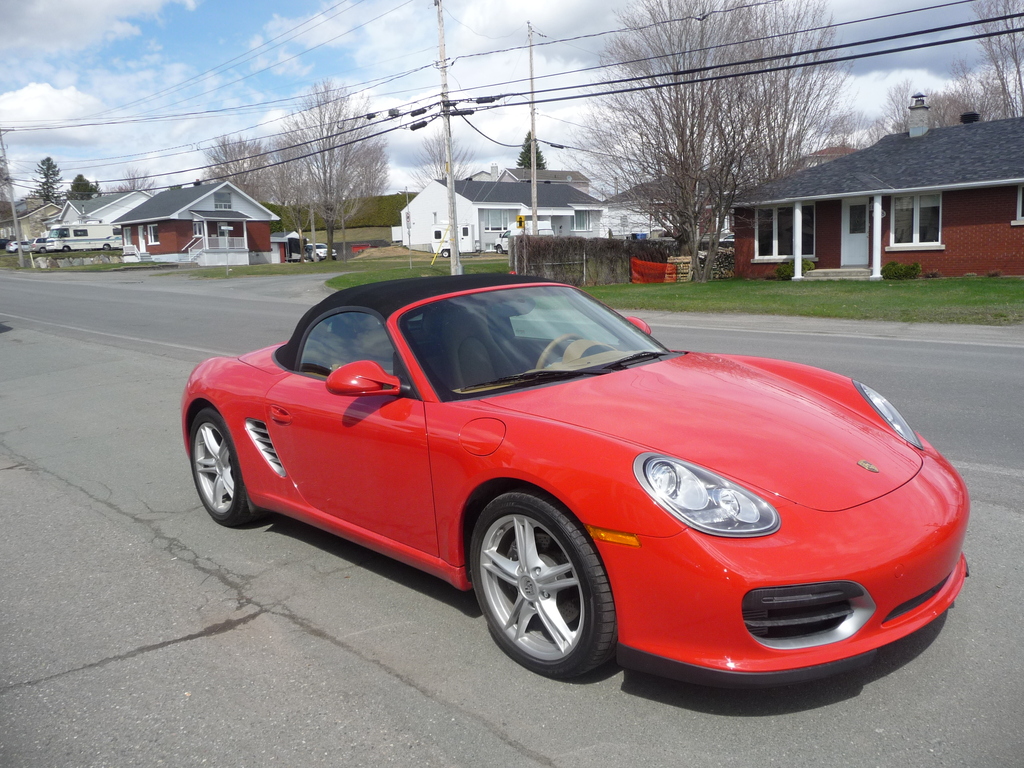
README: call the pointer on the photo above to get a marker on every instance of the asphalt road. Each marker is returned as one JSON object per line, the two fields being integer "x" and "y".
{"x": 136, "y": 632}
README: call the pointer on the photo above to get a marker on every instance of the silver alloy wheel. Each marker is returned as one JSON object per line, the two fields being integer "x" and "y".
{"x": 211, "y": 457}
{"x": 531, "y": 587}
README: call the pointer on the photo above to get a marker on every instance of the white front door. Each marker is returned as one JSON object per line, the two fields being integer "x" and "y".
{"x": 855, "y": 233}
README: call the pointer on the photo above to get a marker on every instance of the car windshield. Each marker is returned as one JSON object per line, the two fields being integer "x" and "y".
{"x": 490, "y": 342}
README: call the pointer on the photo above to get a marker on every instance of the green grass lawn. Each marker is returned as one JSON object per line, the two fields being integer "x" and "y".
{"x": 977, "y": 300}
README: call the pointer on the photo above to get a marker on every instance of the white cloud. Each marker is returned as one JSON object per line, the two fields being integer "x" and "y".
{"x": 75, "y": 24}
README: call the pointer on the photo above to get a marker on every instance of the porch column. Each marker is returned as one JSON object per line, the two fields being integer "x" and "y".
{"x": 245, "y": 234}
{"x": 798, "y": 240}
{"x": 206, "y": 235}
{"x": 876, "y": 238}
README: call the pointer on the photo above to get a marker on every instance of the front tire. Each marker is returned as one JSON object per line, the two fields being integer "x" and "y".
{"x": 542, "y": 587}
{"x": 216, "y": 473}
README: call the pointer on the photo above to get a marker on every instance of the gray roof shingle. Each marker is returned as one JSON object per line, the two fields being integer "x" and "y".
{"x": 960, "y": 155}
{"x": 505, "y": 192}
{"x": 167, "y": 203}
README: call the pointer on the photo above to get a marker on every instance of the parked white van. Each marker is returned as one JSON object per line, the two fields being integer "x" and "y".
{"x": 84, "y": 237}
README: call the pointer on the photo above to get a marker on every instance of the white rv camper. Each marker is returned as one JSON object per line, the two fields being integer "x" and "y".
{"x": 84, "y": 237}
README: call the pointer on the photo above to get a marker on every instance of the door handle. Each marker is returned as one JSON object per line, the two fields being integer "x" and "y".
{"x": 279, "y": 415}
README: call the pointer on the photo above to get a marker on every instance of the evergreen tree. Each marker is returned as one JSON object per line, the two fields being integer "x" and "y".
{"x": 524, "y": 156}
{"x": 83, "y": 189}
{"x": 48, "y": 181}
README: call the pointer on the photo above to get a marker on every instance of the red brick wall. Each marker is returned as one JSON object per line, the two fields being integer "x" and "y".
{"x": 976, "y": 231}
{"x": 828, "y": 233}
{"x": 259, "y": 236}
{"x": 977, "y": 234}
{"x": 174, "y": 236}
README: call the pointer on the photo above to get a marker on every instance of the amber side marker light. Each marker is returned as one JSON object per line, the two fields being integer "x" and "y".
{"x": 614, "y": 537}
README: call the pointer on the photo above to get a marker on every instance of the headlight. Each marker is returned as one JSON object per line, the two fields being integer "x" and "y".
{"x": 889, "y": 413}
{"x": 702, "y": 499}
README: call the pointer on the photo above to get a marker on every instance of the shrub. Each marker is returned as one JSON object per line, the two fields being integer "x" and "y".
{"x": 785, "y": 270}
{"x": 932, "y": 274}
{"x": 896, "y": 271}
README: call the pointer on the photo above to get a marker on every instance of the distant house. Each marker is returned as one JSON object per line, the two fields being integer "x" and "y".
{"x": 210, "y": 224}
{"x": 951, "y": 199}
{"x": 33, "y": 215}
{"x": 488, "y": 208}
{"x": 572, "y": 178}
{"x": 102, "y": 209}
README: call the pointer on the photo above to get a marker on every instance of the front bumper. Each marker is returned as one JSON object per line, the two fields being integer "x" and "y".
{"x": 679, "y": 599}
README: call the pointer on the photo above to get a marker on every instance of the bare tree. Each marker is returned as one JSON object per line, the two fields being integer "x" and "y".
{"x": 684, "y": 151}
{"x": 431, "y": 164}
{"x": 288, "y": 185}
{"x": 240, "y": 161}
{"x": 1004, "y": 55}
{"x": 134, "y": 179}
{"x": 346, "y": 162}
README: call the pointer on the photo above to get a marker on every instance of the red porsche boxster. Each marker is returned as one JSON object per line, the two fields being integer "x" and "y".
{"x": 717, "y": 519}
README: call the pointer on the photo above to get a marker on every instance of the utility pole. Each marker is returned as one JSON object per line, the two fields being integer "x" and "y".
{"x": 446, "y": 107}
{"x": 14, "y": 208}
{"x": 533, "y": 139}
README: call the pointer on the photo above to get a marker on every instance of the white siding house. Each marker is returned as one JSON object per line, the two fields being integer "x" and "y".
{"x": 486, "y": 209}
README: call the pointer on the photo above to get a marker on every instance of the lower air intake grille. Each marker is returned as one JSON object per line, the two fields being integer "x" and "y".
{"x": 261, "y": 437}
{"x": 913, "y": 603}
{"x": 806, "y": 614}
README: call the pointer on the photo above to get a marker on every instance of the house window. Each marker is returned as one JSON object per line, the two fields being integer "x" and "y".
{"x": 916, "y": 219}
{"x": 197, "y": 229}
{"x": 222, "y": 201}
{"x": 494, "y": 219}
{"x": 774, "y": 234}
{"x": 153, "y": 233}
{"x": 1020, "y": 203}
{"x": 581, "y": 221}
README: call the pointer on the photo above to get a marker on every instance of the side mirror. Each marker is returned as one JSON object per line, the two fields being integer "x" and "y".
{"x": 640, "y": 324}
{"x": 361, "y": 378}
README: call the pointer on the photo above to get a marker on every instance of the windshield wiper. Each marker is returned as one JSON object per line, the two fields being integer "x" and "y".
{"x": 636, "y": 357}
{"x": 532, "y": 377}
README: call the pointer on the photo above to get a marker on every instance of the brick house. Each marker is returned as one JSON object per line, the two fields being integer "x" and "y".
{"x": 210, "y": 224}
{"x": 951, "y": 199}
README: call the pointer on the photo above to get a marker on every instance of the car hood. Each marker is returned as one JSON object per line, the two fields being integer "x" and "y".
{"x": 759, "y": 429}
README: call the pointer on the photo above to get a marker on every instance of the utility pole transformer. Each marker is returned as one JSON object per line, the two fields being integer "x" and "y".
{"x": 453, "y": 221}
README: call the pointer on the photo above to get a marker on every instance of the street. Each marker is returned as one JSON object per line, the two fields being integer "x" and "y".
{"x": 137, "y": 632}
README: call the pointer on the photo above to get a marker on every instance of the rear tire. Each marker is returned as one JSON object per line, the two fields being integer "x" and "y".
{"x": 216, "y": 473}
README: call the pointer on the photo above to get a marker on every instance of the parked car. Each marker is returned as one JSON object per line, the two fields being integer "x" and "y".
{"x": 321, "y": 252}
{"x": 501, "y": 244}
{"x": 3, "y": 242}
{"x": 722, "y": 519}
{"x": 12, "y": 246}
{"x": 38, "y": 245}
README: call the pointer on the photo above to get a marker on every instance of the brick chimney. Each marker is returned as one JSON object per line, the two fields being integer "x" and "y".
{"x": 494, "y": 171}
{"x": 918, "y": 118}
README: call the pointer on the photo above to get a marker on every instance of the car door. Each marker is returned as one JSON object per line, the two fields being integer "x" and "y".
{"x": 361, "y": 459}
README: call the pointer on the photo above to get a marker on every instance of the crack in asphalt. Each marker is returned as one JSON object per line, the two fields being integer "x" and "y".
{"x": 238, "y": 584}
{"x": 210, "y": 631}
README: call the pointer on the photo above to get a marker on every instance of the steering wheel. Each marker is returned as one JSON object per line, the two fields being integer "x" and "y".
{"x": 546, "y": 356}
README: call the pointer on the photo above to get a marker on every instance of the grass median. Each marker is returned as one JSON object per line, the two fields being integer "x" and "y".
{"x": 972, "y": 300}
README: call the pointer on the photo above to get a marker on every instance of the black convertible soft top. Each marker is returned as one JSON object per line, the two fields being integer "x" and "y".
{"x": 387, "y": 297}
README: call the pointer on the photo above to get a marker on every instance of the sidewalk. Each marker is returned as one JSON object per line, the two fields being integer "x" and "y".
{"x": 986, "y": 335}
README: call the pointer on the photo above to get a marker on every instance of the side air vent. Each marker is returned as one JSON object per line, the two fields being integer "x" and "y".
{"x": 913, "y": 603}
{"x": 261, "y": 438}
{"x": 805, "y": 615}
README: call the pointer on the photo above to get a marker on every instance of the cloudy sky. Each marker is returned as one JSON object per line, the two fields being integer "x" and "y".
{"x": 103, "y": 84}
